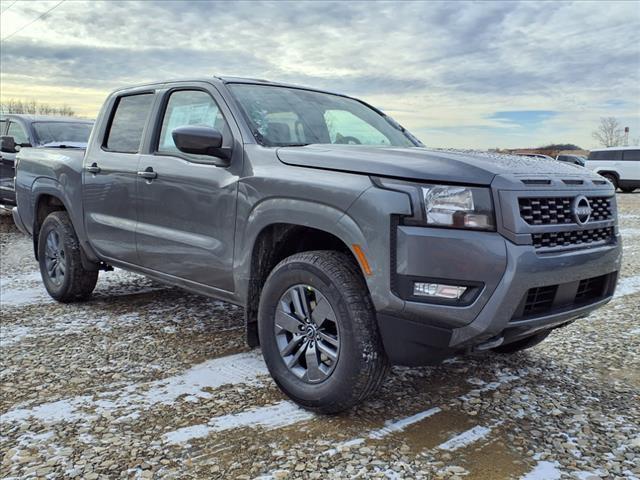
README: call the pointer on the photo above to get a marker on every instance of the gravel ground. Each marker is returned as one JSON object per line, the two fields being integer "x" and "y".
{"x": 146, "y": 381}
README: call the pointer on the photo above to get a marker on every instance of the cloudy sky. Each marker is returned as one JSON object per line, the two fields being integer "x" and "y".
{"x": 478, "y": 74}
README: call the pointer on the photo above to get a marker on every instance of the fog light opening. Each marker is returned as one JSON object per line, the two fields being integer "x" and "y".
{"x": 438, "y": 290}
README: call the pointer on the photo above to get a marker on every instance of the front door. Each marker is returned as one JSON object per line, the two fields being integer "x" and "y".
{"x": 110, "y": 179}
{"x": 187, "y": 203}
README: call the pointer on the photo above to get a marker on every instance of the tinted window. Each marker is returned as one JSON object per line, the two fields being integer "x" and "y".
{"x": 606, "y": 155}
{"x": 17, "y": 132}
{"x": 128, "y": 123}
{"x": 631, "y": 155}
{"x": 60, "y": 132}
{"x": 190, "y": 107}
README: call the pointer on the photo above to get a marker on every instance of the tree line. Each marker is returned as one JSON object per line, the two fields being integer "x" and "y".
{"x": 33, "y": 107}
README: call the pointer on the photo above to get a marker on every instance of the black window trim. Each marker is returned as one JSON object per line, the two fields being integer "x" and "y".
{"x": 157, "y": 126}
{"x": 112, "y": 114}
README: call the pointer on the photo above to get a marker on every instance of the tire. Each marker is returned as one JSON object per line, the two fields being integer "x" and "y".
{"x": 354, "y": 362}
{"x": 612, "y": 179}
{"x": 61, "y": 268}
{"x": 627, "y": 189}
{"x": 523, "y": 344}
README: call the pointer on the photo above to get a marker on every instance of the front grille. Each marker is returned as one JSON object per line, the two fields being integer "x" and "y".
{"x": 539, "y": 300}
{"x": 573, "y": 238}
{"x": 550, "y": 299}
{"x": 558, "y": 210}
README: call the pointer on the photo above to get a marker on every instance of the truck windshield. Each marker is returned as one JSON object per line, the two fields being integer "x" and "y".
{"x": 61, "y": 132}
{"x": 281, "y": 116}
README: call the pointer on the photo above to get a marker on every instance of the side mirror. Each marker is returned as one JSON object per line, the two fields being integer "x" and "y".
{"x": 7, "y": 144}
{"x": 200, "y": 141}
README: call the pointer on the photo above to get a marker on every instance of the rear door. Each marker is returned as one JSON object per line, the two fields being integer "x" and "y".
{"x": 187, "y": 213}
{"x": 110, "y": 177}
{"x": 630, "y": 169}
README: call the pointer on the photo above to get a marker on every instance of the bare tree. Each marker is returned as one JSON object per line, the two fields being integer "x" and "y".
{"x": 32, "y": 107}
{"x": 609, "y": 132}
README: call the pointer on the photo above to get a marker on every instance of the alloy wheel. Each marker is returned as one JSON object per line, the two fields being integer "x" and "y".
{"x": 55, "y": 261}
{"x": 307, "y": 333}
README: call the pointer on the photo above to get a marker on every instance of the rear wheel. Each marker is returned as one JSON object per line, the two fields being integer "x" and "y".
{"x": 61, "y": 268}
{"x": 523, "y": 344}
{"x": 318, "y": 332}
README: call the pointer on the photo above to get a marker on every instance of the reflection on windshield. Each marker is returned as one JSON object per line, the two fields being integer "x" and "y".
{"x": 281, "y": 116}
{"x": 60, "y": 132}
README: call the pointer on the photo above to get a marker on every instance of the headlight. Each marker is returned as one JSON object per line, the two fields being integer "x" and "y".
{"x": 447, "y": 205}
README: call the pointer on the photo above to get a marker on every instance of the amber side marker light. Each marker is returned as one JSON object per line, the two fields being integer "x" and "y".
{"x": 362, "y": 259}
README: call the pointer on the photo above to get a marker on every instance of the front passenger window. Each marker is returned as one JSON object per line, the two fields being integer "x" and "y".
{"x": 190, "y": 107}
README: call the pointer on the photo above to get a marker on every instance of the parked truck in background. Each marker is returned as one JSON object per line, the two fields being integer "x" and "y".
{"x": 21, "y": 131}
{"x": 350, "y": 245}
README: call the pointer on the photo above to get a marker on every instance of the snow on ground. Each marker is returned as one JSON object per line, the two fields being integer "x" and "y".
{"x": 146, "y": 381}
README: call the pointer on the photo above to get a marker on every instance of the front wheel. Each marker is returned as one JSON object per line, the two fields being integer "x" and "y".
{"x": 319, "y": 333}
{"x": 61, "y": 268}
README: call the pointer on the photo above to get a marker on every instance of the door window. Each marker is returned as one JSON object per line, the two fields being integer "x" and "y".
{"x": 190, "y": 107}
{"x": 17, "y": 132}
{"x": 633, "y": 155}
{"x": 128, "y": 121}
{"x": 3, "y": 124}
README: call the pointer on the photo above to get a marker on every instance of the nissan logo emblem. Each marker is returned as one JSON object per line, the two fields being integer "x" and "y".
{"x": 581, "y": 210}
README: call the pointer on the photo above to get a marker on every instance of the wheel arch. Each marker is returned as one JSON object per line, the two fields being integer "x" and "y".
{"x": 279, "y": 230}
{"x": 49, "y": 196}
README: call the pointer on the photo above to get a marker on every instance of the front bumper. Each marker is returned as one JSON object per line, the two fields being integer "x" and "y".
{"x": 424, "y": 332}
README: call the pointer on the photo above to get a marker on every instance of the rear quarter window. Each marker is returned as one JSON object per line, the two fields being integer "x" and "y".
{"x": 127, "y": 123}
{"x": 633, "y": 155}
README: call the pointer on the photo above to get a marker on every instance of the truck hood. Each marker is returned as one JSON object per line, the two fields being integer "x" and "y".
{"x": 468, "y": 167}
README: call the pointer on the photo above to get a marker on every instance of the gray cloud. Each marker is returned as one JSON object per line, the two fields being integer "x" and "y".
{"x": 425, "y": 56}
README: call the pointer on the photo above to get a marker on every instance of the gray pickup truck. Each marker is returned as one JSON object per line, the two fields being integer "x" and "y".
{"x": 350, "y": 245}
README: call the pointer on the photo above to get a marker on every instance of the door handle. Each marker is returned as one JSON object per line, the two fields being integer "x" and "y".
{"x": 148, "y": 173}
{"x": 94, "y": 168}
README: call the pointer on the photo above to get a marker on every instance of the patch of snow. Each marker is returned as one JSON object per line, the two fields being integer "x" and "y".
{"x": 466, "y": 438}
{"x": 544, "y": 471}
{"x": 628, "y": 286}
{"x": 52, "y": 412}
{"x": 243, "y": 368}
{"x": 269, "y": 417}
{"x": 629, "y": 232}
{"x": 399, "y": 425}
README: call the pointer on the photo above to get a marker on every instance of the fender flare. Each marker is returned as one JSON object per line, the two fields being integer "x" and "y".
{"x": 294, "y": 212}
{"x": 49, "y": 186}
